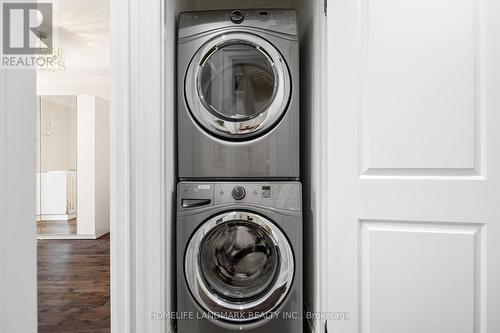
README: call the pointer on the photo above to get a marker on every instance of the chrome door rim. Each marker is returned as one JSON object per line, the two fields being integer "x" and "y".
{"x": 238, "y": 311}
{"x": 234, "y": 129}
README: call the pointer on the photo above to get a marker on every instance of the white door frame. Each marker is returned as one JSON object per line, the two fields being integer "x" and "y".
{"x": 18, "y": 300}
{"x": 142, "y": 179}
{"x": 140, "y": 190}
{"x": 315, "y": 56}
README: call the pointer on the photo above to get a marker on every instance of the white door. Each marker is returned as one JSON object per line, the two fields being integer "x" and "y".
{"x": 413, "y": 229}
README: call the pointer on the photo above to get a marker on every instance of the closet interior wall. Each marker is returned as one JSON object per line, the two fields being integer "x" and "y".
{"x": 172, "y": 9}
{"x": 311, "y": 22}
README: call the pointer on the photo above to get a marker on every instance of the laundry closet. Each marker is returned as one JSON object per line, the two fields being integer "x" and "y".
{"x": 397, "y": 105}
{"x": 295, "y": 158}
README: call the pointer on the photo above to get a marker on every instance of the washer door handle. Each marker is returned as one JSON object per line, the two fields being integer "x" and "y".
{"x": 192, "y": 203}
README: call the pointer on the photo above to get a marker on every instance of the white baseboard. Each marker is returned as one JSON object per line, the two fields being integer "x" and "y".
{"x": 102, "y": 233}
{"x": 67, "y": 236}
{"x": 56, "y": 217}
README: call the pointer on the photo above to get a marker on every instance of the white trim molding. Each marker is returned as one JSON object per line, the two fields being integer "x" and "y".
{"x": 138, "y": 183}
{"x": 322, "y": 172}
{"x": 55, "y": 217}
{"x": 67, "y": 236}
{"x": 18, "y": 296}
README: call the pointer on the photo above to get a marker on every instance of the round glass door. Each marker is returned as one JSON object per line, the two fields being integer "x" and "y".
{"x": 238, "y": 261}
{"x": 239, "y": 266}
{"x": 237, "y": 81}
{"x": 237, "y": 86}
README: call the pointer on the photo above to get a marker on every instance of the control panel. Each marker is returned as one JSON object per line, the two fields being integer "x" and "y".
{"x": 283, "y": 195}
{"x": 276, "y": 20}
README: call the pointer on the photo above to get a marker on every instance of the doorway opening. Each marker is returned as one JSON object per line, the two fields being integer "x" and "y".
{"x": 73, "y": 197}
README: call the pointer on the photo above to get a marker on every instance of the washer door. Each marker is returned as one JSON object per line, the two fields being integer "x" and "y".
{"x": 239, "y": 266}
{"x": 237, "y": 86}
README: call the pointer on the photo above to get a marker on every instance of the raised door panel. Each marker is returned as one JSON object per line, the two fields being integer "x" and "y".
{"x": 420, "y": 277}
{"x": 420, "y": 88}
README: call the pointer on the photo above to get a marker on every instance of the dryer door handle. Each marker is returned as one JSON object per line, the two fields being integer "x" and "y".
{"x": 192, "y": 203}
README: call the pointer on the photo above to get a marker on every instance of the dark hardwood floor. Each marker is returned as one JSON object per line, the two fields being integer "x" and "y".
{"x": 73, "y": 286}
{"x": 56, "y": 227}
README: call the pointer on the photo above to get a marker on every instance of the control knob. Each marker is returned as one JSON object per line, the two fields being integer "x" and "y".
{"x": 237, "y": 17}
{"x": 238, "y": 192}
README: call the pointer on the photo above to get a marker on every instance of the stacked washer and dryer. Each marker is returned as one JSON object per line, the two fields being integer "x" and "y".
{"x": 239, "y": 200}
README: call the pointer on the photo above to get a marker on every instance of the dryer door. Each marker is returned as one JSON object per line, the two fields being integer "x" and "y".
{"x": 239, "y": 266}
{"x": 237, "y": 86}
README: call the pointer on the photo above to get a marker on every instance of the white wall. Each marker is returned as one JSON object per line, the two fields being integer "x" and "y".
{"x": 85, "y": 164}
{"x": 57, "y": 149}
{"x": 18, "y": 302}
{"x": 173, "y": 7}
{"x": 310, "y": 19}
{"x": 93, "y": 166}
{"x": 56, "y": 195}
{"x": 69, "y": 85}
{"x": 101, "y": 167}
